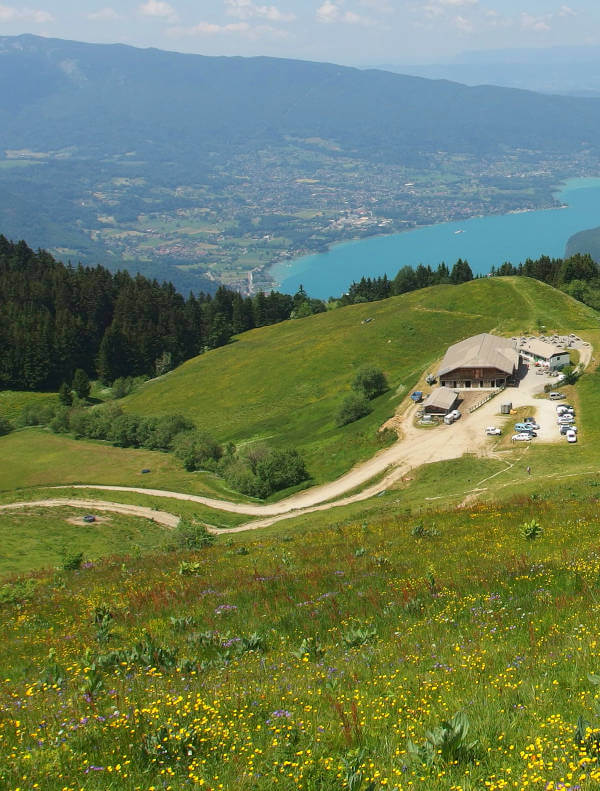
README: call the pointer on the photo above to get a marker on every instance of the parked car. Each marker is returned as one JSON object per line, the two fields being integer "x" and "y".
{"x": 567, "y": 427}
{"x": 455, "y": 414}
{"x": 554, "y": 396}
{"x": 492, "y": 431}
{"x": 531, "y": 422}
{"x": 523, "y": 427}
{"x": 571, "y": 436}
{"x": 523, "y": 436}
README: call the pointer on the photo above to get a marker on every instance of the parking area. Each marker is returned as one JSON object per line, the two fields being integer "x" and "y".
{"x": 468, "y": 433}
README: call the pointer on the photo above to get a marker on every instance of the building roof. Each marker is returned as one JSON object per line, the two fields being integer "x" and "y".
{"x": 441, "y": 397}
{"x": 482, "y": 351}
{"x": 541, "y": 349}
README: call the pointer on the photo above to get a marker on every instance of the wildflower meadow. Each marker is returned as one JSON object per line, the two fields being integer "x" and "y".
{"x": 443, "y": 651}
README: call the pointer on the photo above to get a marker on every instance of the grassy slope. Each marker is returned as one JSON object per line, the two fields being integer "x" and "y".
{"x": 40, "y": 458}
{"x": 13, "y": 401}
{"x": 509, "y": 640}
{"x": 284, "y": 383}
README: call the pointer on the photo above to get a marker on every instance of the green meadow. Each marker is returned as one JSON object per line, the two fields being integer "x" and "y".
{"x": 37, "y": 538}
{"x": 12, "y": 402}
{"x": 40, "y": 458}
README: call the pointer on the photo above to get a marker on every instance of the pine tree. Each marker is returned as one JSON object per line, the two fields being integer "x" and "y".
{"x": 81, "y": 384}
{"x": 64, "y": 394}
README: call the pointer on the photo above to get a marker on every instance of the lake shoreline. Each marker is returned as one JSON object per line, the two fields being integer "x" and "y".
{"x": 288, "y": 274}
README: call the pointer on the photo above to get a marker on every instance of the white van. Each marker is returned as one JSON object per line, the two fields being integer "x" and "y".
{"x": 554, "y": 396}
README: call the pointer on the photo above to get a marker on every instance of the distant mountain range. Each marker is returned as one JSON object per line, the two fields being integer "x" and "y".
{"x": 97, "y": 136}
{"x": 109, "y": 99}
{"x": 572, "y": 71}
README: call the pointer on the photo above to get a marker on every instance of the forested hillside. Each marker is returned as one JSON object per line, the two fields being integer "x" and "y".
{"x": 585, "y": 242}
{"x": 55, "y": 319}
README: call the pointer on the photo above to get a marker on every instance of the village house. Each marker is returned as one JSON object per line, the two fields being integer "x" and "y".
{"x": 484, "y": 361}
{"x": 546, "y": 353}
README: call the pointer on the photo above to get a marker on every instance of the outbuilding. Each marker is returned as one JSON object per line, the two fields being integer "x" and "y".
{"x": 440, "y": 401}
{"x": 482, "y": 362}
{"x": 546, "y": 353}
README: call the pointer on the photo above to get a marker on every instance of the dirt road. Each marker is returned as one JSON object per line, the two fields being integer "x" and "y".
{"x": 418, "y": 446}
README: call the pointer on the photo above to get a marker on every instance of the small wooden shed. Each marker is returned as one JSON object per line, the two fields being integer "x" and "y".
{"x": 440, "y": 401}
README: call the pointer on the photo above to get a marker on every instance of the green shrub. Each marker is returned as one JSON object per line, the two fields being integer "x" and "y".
{"x": 190, "y": 568}
{"x": 280, "y": 469}
{"x": 17, "y": 592}
{"x": 60, "y": 422}
{"x": 358, "y": 635}
{"x": 64, "y": 394}
{"x": 192, "y": 535}
{"x": 165, "y": 429}
{"x": 531, "y": 530}
{"x": 370, "y": 382}
{"x": 81, "y": 384}
{"x": 446, "y": 744}
{"x": 72, "y": 561}
{"x": 36, "y": 414}
{"x": 5, "y": 426}
{"x": 263, "y": 470}
{"x": 353, "y": 407}
{"x": 197, "y": 450}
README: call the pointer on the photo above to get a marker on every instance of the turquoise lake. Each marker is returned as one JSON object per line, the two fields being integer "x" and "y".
{"x": 484, "y": 242}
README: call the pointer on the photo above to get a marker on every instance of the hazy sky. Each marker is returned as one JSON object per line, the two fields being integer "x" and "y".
{"x": 345, "y": 31}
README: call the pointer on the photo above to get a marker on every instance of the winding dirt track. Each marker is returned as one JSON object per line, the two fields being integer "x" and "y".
{"x": 160, "y": 517}
{"x": 416, "y": 448}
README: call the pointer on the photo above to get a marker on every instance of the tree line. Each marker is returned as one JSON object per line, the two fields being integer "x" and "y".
{"x": 407, "y": 279}
{"x": 256, "y": 470}
{"x": 57, "y": 319}
{"x": 578, "y": 276}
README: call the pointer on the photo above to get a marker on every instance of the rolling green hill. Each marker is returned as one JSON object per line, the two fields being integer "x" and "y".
{"x": 283, "y": 384}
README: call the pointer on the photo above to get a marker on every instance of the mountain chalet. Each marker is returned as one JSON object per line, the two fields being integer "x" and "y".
{"x": 483, "y": 362}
